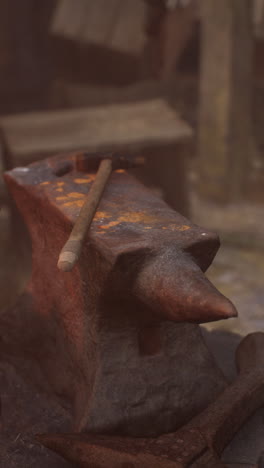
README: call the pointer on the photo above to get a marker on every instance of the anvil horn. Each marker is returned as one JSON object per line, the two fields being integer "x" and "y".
{"x": 172, "y": 284}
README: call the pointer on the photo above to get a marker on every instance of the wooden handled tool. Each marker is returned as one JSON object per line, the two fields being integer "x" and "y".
{"x": 71, "y": 251}
{"x": 197, "y": 444}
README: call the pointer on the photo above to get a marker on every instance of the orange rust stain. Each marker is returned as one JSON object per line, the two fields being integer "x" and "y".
{"x": 120, "y": 171}
{"x": 74, "y": 203}
{"x": 81, "y": 181}
{"x": 184, "y": 228}
{"x": 70, "y": 195}
{"x": 109, "y": 225}
{"x": 60, "y": 183}
{"x": 87, "y": 180}
{"x": 134, "y": 217}
{"x": 59, "y": 190}
{"x": 45, "y": 183}
{"x": 75, "y": 195}
{"x": 174, "y": 227}
{"x": 137, "y": 217}
{"x": 101, "y": 214}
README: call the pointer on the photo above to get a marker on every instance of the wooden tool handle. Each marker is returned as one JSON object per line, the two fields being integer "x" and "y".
{"x": 72, "y": 249}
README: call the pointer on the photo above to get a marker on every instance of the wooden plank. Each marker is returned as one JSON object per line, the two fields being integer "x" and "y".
{"x": 131, "y": 126}
{"x": 69, "y": 18}
{"x": 100, "y": 21}
{"x": 116, "y": 24}
{"x": 128, "y": 34}
{"x": 225, "y": 98}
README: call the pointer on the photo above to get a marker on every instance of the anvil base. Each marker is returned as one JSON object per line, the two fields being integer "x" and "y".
{"x": 134, "y": 393}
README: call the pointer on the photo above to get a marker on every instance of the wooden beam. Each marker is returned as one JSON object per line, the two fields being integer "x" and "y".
{"x": 225, "y": 98}
{"x": 168, "y": 31}
{"x": 126, "y": 126}
{"x": 115, "y": 24}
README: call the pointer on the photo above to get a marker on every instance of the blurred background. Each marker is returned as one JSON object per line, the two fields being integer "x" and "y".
{"x": 201, "y": 59}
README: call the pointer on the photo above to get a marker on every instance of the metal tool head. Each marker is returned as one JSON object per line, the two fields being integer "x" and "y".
{"x": 250, "y": 352}
{"x": 86, "y": 162}
{"x": 185, "y": 448}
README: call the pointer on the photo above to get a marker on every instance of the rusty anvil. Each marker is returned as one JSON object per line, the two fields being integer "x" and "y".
{"x": 118, "y": 336}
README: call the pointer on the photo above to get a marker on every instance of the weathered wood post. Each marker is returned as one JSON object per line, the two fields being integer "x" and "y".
{"x": 225, "y": 98}
{"x": 169, "y": 26}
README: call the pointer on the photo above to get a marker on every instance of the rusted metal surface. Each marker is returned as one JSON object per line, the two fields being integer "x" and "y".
{"x": 198, "y": 444}
{"x": 158, "y": 255}
{"x": 141, "y": 269}
{"x": 72, "y": 249}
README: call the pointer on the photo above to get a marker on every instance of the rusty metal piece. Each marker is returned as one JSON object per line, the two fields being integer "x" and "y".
{"x": 198, "y": 444}
{"x": 142, "y": 269}
{"x": 89, "y": 162}
{"x": 72, "y": 249}
{"x": 182, "y": 449}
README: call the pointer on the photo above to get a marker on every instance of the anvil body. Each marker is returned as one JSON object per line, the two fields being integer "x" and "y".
{"x": 112, "y": 336}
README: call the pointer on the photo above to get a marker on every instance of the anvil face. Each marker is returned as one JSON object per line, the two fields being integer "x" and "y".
{"x": 105, "y": 333}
